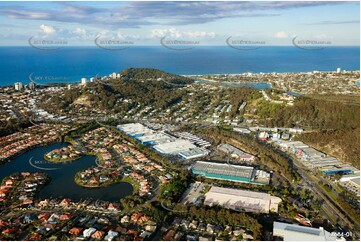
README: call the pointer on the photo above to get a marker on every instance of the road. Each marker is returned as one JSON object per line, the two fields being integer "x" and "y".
{"x": 329, "y": 204}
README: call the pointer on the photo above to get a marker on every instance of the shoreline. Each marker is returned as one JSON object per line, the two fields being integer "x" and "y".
{"x": 61, "y": 161}
{"x": 21, "y": 152}
{"x": 123, "y": 179}
{"x": 267, "y": 73}
{"x": 76, "y": 81}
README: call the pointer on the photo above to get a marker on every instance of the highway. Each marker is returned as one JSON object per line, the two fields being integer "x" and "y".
{"x": 329, "y": 204}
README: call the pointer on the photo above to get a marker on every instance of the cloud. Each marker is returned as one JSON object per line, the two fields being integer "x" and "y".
{"x": 47, "y": 29}
{"x": 321, "y": 36}
{"x": 137, "y": 14}
{"x": 335, "y": 22}
{"x": 174, "y": 33}
{"x": 80, "y": 31}
{"x": 57, "y": 33}
{"x": 281, "y": 35}
{"x": 117, "y": 35}
{"x": 200, "y": 34}
{"x": 159, "y": 33}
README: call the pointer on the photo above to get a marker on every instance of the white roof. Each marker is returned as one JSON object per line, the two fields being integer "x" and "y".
{"x": 175, "y": 146}
{"x": 231, "y": 149}
{"x": 294, "y": 232}
{"x": 89, "y": 232}
{"x": 134, "y": 128}
{"x": 241, "y": 199}
{"x": 157, "y": 137}
{"x": 239, "y": 192}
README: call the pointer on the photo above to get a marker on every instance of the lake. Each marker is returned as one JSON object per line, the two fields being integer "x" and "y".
{"x": 62, "y": 176}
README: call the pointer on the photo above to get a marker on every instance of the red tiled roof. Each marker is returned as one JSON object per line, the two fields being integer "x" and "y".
{"x": 75, "y": 231}
{"x": 98, "y": 234}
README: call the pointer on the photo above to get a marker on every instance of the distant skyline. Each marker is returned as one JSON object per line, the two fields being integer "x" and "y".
{"x": 209, "y": 23}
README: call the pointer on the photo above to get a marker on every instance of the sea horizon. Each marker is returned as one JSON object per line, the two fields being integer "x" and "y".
{"x": 71, "y": 63}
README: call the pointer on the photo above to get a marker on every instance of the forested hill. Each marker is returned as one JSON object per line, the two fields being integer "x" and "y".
{"x": 153, "y": 74}
{"x": 135, "y": 86}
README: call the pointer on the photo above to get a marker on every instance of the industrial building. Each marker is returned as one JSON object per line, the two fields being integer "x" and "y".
{"x": 174, "y": 147}
{"x": 155, "y": 138}
{"x": 135, "y": 129}
{"x": 246, "y": 174}
{"x": 193, "y": 138}
{"x": 242, "y": 200}
{"x": 236, "y": 153}
{"x": 351, "y": 183}
{"x": 293, "y": 232}
{"x": 340, "y": 168}
{"x": 242, "y": 130}
{"x": 314, "y": 159}
{"x": 194, "y": 153}
{"x": 165, "y": 143}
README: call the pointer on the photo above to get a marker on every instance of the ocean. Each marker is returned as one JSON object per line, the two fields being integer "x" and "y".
{"x": 70, "y": 64}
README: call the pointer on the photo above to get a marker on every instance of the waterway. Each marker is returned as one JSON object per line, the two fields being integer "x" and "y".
{"x": 260, "y": 85}
{"x": 294, "y": 93}
{"x": 62, "y": 176}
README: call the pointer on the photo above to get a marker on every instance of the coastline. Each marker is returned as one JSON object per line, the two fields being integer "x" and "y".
{"x": 264, "y": 73}
{"x": 75, "y": 80}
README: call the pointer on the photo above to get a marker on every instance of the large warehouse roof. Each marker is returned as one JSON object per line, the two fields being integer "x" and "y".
{"x": 157, "y": 138}
{"x": 242, "y": 199}
{"x": 223, "y": 169}
{"x": 174, "y": 147}
{"x": 242, "y": 193}
{"x": 135, "y": 129}
{"x": 293, "y": 232}
{"x": 232, "y": 150}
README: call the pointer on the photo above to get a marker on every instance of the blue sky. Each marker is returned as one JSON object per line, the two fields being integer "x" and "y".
{"x": 209, "y": 23}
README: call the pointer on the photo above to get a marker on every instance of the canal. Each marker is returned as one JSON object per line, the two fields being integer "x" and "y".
{"x": 62, "y": 176}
